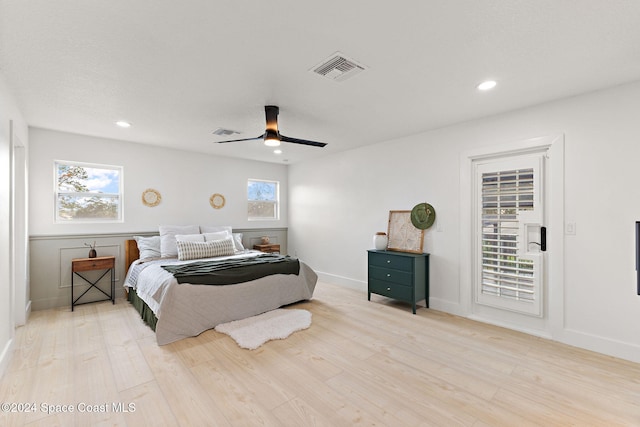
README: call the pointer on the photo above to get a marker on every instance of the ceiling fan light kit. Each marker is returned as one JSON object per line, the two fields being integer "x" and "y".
{"x": 271, "y": 136}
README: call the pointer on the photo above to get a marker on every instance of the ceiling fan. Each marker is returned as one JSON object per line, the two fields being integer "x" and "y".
{"x": 271, "y": 136}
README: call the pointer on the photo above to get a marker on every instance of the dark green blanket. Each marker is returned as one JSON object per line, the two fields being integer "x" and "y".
{"x": 232, "y": 271}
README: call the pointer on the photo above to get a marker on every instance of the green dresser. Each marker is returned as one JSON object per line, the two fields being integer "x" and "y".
{"x": 399, "y": 275}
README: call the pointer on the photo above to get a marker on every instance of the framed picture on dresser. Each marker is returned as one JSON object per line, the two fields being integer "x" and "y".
{"x": 403, "y": 236}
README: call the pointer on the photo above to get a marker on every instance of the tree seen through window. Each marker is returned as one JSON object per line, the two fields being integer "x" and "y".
{"x": 88, "y": 192}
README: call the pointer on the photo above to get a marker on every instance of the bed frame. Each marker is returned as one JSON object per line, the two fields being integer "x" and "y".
{"x": 131, "y": 253}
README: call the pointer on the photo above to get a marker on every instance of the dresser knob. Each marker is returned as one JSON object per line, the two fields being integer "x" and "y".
{"x": 388, "y": 261}
{"x": 388, "y": 275}
{"x": 388, "y": 289}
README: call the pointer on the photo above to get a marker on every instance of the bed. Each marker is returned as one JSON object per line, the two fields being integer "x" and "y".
{"x": 176, "y": 308}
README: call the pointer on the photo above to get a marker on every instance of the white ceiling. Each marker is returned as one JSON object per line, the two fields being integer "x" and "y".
{"x": 178, "y": 70}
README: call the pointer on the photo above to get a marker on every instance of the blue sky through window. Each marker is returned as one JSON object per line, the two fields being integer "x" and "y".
{"x": 103, "y": 180}
{"x": 261, "y": 190}
{"x": 98, "y": 180}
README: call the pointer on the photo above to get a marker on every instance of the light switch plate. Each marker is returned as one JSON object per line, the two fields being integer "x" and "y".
{"x": 570, "y": 228}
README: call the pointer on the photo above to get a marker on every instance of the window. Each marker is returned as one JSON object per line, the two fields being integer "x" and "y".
{"x": 87, "y": 193}
{"x": 263, "y": 199}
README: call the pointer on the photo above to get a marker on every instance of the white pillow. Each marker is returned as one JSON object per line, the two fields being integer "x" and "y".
{"x": 237, "y": 242}
{"x": 196, "y": 250}
{"x": 190, "y": 237}
{"x": 168, "y": 237}
{"x": 149, "y": 247}
{"x": 206, "y": 229}
{"x": 216, "y": 236}
{"x": 215, "y": 228}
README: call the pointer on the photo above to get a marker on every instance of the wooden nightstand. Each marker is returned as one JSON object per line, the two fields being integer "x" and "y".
{"x": 269, "y": 248}
{"x": 106, "y": 263}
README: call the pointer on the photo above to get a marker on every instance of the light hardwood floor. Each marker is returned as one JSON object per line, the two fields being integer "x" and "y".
{"x": 360, "y": 363}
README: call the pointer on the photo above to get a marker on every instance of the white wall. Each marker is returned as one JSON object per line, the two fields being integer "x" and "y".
{"x": 185, "y": 180}
{"x": 9, "y": 113}
{"x": 334, "y": 216}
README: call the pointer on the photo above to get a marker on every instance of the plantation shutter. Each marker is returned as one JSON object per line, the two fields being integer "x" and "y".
{"x": 504, "y": 195}
{"x": 509, "y": 218}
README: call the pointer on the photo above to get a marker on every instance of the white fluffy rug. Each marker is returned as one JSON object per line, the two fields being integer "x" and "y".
{"x": 252, "y": 332}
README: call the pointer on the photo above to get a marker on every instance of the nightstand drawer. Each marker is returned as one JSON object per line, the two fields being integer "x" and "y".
{"x": 391, "y": 290}
{"x": 88, "y": 264}
{"x": 396, "y": 276}
{"x": 396, "y": 262}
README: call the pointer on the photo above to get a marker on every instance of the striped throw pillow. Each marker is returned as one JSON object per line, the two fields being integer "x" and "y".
{"x": 195, "y": 250}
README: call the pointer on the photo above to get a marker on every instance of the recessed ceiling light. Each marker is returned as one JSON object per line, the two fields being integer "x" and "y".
{"x": 277, "y": 151}
{"x": 123, "y": 124}
{"x": 487, "y": 85}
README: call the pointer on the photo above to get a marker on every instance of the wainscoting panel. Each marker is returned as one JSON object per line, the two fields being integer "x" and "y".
{"x": 50, "y": 261}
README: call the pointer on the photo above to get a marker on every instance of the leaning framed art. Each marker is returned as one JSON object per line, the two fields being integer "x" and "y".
{"x": 403, "y": 236}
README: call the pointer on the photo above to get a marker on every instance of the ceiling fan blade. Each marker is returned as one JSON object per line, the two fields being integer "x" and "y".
{"x": 302, "y": 141}
{"x": 244, "y": 139}
{"x": 271, "y": 114}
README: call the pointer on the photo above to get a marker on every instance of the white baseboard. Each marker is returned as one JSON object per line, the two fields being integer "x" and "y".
{"x": 63, "y": 301}
{"x": 619, "y": 349}
{"x": 342, "y": 281}
{"x": 513, "y": 327}
{"x": 598, "y": 344}
{"x": 5, "y": 356}
{"x": 446, "y": 306}
{"x": 27, "y": 311}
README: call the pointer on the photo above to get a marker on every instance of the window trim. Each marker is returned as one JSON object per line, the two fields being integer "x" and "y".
{"x": 56, "y": 193}
{"x": 277, "y": 201}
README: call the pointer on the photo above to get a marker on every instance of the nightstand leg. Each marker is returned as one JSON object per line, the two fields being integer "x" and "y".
{"x": 113, "y": 287}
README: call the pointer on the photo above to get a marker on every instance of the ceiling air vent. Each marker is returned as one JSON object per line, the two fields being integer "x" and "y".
{"x": 224, "y": 132}
{"x": 338, "y": 67}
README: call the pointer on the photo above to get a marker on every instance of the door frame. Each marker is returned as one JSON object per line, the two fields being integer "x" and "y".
{"x": 551, "y": 324}
{"x": 19, "y": 229}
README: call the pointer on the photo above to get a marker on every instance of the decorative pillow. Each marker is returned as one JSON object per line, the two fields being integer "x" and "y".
{"x": 196, "y": 250}
{"x": 149, "y": 247}
{"x": 168, "y": 238}
{"x": 190, "y": 237}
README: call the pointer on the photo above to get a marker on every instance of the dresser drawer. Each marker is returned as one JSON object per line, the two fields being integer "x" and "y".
{"x": 386, "y": 260}
{"x": 391, "y": 290}
{"x": 396, "y": 276}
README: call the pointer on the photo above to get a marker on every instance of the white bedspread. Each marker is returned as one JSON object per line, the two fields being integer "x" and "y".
{"x": 185, "y": 310}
